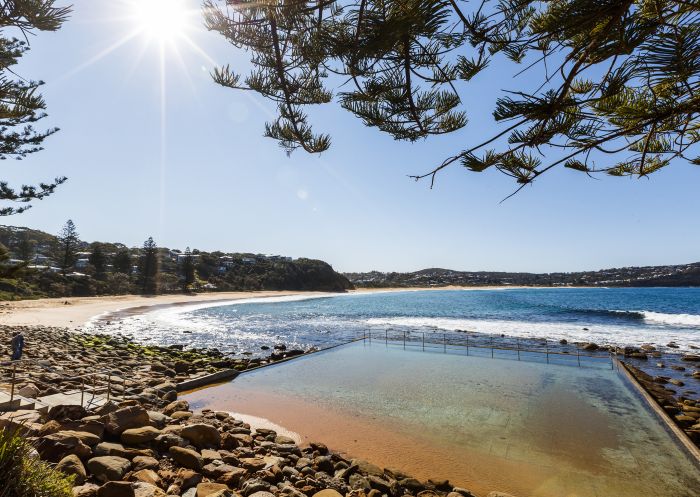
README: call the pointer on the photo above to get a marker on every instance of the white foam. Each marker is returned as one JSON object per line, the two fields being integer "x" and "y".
{"x": 672, "y": 319}
{"x": 618, "y": 335}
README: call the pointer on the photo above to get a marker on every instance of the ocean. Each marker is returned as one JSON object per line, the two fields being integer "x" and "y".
{"x": 615, "y": 316}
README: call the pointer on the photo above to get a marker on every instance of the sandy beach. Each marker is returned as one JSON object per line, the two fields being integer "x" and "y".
{"x": 73, "y": 312}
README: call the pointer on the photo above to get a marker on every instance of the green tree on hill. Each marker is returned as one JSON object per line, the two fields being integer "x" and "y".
{"x": 122, "y": 262}
{"x": 21, "y": 105}
{"x": 617, "y": 85}
{"x": 98, "y": 260}
{"x": 188, "y": 271}
{"x": 26, "y": 248}
{"x": 67, "y": 245}
{"x": 149, "y": 268}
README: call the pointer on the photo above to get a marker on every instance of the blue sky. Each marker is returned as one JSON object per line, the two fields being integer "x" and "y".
{"x": 216, "y": 183}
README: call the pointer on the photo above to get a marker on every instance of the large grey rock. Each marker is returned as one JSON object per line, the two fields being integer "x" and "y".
{"x": 108, "y": 468}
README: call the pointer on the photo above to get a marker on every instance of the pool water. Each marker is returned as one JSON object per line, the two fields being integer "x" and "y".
{"x": 527, "y": 428}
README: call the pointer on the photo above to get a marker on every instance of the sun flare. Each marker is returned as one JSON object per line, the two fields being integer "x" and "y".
{"x": 162, "y": 20}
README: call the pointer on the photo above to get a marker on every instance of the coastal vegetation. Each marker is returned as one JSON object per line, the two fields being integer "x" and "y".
{"x": 35, "y": 264}
{"x": 616, "y": 82}
{"x": 23, "y": 474}
{"x": 675, "y": 275}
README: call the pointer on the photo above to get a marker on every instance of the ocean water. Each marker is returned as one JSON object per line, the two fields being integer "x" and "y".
{"x": 617, "y": 316}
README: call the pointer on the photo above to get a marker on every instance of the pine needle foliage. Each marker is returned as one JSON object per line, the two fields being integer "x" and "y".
{"x": 620, "y": 79}
{"x": 21, "y": 104}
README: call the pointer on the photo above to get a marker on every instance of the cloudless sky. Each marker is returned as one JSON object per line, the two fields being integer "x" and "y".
{"x": 208, "y": 179}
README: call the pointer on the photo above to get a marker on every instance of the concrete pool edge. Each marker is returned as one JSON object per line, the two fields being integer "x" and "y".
{"x": 679, "y": 435}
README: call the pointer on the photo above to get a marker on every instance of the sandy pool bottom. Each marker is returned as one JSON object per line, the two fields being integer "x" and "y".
{"x": 529, "y": 429}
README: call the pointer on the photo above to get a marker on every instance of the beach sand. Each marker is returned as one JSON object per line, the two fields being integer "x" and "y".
{"x": 73, "y": 312}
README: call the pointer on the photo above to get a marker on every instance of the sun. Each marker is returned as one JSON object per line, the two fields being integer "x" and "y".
{"x": 162, "y": 20}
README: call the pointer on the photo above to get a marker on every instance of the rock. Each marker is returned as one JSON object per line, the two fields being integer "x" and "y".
{"x": 178, "y": 405}
{"x": 232, "y": 477}
{"x": 188, "y": 478}
{"x": 253, "y": 464}
{"x": 56, "y": 446}
{"x": 166, "y": 440}
{"x": 87, "y": 490}
{"x": 263, "y": 493}
{"x": 87, "y": 438}
{"x": 412, "y": 484}
{"x": 71, "y": 465}
{"x": 64, "y": 412}
{"x": 590, "y": 346}
{"x": 676, "y": 382}
{"x": 139, "y": 436}
{"x": 123, "y": 419}
{"x": 186, "y": 458}
{"x": 158, "y": 419}
{"x": 380, "y": 484}
{"x": 144, "y": 462}
{"x": 202, "y": 435}
{"x": 116, "y": 489}
{"x": 690, "y": 358}
{"x": 29, "y": 391}
{"x": 209, "y": 489}
{"x": 143, "y": 489}
{"x": 181, "y": 415}
{"x": 368, "y": 468}
{"x": 461, "y": 491}
{"x": 281, "y": 439}
{"x": 108, "y": 468}
{"x": 210, "y": 456}
{"x": 329, "y": 492}
{"x": 146, "y": 476}
{"x": 215, "y": 471}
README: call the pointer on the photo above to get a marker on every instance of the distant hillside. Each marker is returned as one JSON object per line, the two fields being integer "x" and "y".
{"x": 215, "y": 271}
{"x": 679, "y": 275}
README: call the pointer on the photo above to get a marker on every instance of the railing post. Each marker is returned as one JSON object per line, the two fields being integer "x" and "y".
{"x": 578, "y": 356}
{"x": 467, "y": 343}
{"x": 424, "y": 340}
{"x": 82, "y": 390}
{"x": 546, "y": 348}
{"x": 109, "y": 385}
{"x": 492, "y": 347}
{"x": 370, "y": 335}
{"x": 404, "y": 339}
{"x": 386, "y": 336}
{"x": 444, "y": 342}
{"x": 12, "y": 387}
{"x": 517, "y": 341}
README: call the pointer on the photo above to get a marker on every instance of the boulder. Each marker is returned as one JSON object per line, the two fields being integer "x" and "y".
{"x": 125, "y": 418}
{"x": 690, "y": 358}
{"x": 116, "y": 489}
{"x": 146, "y": 476}
{"x": 144, "y": 462}
{"x": 65, "y": 412}
{"x": 108, "y": 468}
{"x": 71, "y": 465}
{"x": 29, "y": 391}
{"x": 139, "y": 436}
{"x": 143, "y": 489}
{"x": 209, "y": 489}
{"x": 202, "y": 435}
{"x": 329, "y": 492}
{"x": 87, "y": 490}
{"x": 89, "y": 439}
{"x": 178, "y": 405}
{"x": 56, "y": 446}
{"x": 186, "y": 458}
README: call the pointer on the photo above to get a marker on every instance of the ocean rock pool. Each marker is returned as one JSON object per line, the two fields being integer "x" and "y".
{"x": 528, "y": 428}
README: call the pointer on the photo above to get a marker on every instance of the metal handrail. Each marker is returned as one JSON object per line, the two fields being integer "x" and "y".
{"x": 15, "y": 378}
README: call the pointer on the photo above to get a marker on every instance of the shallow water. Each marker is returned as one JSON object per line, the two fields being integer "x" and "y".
{"x": 527, "y": 428}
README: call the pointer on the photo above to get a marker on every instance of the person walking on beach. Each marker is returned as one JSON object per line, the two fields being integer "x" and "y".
{"x": 17, "y": 345}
